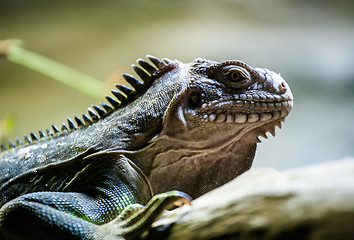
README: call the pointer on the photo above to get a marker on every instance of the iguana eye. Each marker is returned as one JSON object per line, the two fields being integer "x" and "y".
{"x": 236, "y": 75}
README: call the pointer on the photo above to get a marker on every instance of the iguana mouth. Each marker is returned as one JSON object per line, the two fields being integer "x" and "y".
{"x": 249, "y": 110}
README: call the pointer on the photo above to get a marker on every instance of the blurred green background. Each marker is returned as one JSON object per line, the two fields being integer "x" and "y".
{"x": 311, "y": 43}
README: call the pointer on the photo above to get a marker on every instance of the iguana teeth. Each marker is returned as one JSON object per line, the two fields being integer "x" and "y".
{"x": 71, "y": 124}
{"x": 86, "y": 119}
{"x": 78, "y": 121}
{"x": 41, "y": 134}
{"x": 122, "y": 99}
{"x": 113, "y": 102}
{"x": 135, "y": 83}
{"x": 33, "y": 137}
{"x": 150, "y": 69}
{"x": 11, "y": 144}
{"x": 27, "y": 139}
{"x": 19, "y": 142}
{"x": 279, "y": 125}
{"x": 55, "y": 129}
{"x": 93, "y": 115}
{"x": 101, "y": 113}
{"x": 157, "y": 62}
{"x": 258, "y": 140}
{"x": 106, "y": 107}
{"x": 141, "y": 73}
{"x": 126, "y": 90}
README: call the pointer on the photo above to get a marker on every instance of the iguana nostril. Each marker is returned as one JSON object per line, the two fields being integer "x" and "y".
{"x": 282, "y": 87}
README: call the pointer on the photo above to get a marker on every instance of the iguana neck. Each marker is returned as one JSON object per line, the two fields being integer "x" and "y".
{"x": 193, "y": 170}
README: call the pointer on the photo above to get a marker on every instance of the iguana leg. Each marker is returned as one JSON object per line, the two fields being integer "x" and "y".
{"x": 53, "y": 215}
{"x": 41, "y": 216}
{"x": 136, "y": 220}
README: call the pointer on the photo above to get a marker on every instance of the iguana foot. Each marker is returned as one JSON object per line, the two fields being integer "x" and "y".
{"x": 136, "y": 220}
{"x": 129, "y": 211}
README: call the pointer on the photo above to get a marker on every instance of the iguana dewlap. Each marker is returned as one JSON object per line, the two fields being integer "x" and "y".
{"x": 189, "y": 127}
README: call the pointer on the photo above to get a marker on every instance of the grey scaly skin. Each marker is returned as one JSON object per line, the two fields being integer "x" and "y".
{"x": 189, "y": 127}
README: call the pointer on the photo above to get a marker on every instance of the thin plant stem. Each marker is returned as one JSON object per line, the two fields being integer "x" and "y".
{"x": 15, "y": 53}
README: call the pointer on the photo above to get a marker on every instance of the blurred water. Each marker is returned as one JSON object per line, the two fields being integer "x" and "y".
{"x": 309, "y": 42}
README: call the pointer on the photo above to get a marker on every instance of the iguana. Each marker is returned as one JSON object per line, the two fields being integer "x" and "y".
{"x": 189, "y": 127}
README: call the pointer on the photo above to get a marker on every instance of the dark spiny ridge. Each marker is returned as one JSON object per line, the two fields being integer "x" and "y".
{"x": 27, "y": 140}
{"x": 157, "y": 62}
{"x": 135, "y": 83}
{"x": 49, "y": 133}
{"x": 141, "y": 73}
{"x": 167, "y": 61}
{"x": 93, "y": 115}
{"x": 41, "y": 134}
{"x": 87, "y": 120}
{"x": 33, "y": 137}
{"x": 145, "y": 65}
{"x": 71, "y": 124}
{"x": 107, "y": 107}
{"x": 113, "y": 102}
{"x": 55, "y": 129}
{"x": 126, "y": 90}
{"x": 11, "y": 144}
{"x": 19, "y": 142}
{"x": 64, "y": 129}
{"x": 3, "y": 148}
{"x": 122, "y": 99}
{"x": 78, "y": 121}
{"x": 99, "y": 110}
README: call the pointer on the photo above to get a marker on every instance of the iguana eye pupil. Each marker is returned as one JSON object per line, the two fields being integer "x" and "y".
{"x": 234, "y": 76}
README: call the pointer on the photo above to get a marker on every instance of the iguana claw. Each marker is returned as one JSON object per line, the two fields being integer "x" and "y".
{"x": 136, "y": 220}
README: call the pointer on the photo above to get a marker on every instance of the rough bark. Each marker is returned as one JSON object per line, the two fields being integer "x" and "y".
{"x": 315, "y": 202}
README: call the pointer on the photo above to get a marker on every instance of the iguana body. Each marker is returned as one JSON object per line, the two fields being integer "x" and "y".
{"x": 188, "y": 127}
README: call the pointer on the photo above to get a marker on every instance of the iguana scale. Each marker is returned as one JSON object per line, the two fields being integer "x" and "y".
{"x": 189, "y": 127}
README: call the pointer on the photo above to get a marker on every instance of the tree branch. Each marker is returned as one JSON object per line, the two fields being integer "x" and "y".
{"x": 315, "y": 202}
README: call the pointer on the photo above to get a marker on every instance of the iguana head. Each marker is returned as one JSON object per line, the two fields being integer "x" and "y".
{"x": 212, "y": 124}
{"x": 224, "y": 102}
